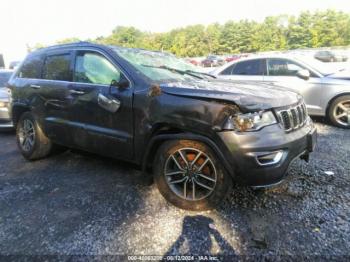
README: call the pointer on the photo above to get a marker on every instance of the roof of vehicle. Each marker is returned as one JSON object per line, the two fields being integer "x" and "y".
{"x": 262, "y": 56}
{"x": 89, "y": 44}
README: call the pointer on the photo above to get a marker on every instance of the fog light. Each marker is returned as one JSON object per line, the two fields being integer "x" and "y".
{"x": 268, "y": 158}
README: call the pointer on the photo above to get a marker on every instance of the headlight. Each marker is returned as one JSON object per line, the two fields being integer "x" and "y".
{"x": 250, "y": 121}
{"x": 3, "y": 104}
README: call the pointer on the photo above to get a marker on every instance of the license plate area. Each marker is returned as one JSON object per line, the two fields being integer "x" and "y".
{"x": 311, "y": 140}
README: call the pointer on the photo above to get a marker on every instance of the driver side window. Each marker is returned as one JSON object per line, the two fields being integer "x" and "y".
{"x": 282, "y": 67}
{"x": 93, "y": 68}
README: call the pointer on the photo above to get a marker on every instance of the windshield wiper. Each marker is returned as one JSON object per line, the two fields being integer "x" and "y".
{"x": 181, "y": 72}
{"x": 201, "y": 73}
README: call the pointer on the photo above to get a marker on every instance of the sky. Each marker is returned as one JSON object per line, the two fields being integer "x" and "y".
{"x": 28, "y": 22}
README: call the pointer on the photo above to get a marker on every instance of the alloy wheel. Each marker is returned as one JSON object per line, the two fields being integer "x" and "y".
{"x": 190, "y": 174}
{"x": 341, "y": 113}
{"x": 26, "y": 135}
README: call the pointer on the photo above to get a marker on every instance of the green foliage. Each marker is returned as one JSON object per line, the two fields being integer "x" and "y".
{"x": 318, "y": 29}
{"x": 68, "y": 40}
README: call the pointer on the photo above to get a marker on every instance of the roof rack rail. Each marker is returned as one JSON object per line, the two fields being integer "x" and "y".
{"x": 65, "y": 45}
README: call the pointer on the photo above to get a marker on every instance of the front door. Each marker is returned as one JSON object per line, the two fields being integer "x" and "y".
{"x": 101, "y": 113}
{"x": 282, "y": 72}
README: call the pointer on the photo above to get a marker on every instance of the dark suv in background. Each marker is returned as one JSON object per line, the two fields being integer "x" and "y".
{"x": 195, "y": 133}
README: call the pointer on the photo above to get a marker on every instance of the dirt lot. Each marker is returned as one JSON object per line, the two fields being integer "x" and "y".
{"x": 75, "y": 203}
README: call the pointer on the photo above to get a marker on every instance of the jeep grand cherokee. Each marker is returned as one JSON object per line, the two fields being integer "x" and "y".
{"x": 195, "y": 133}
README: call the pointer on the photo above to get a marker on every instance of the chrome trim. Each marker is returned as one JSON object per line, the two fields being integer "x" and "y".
{"x": 35, "y": 86}
{"x": 277, "y": 158}
{"x": 9, "y": 125}
{"x": 80, "y": 48}
{"x": 296, "y": 117}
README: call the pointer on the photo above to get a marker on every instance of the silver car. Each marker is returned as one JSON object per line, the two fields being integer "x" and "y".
{"x": 5, "y": 119}
{"x": 325, "y": 87}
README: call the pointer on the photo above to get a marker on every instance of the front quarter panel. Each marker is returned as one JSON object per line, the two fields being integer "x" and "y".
{"x": 154, "y": 112}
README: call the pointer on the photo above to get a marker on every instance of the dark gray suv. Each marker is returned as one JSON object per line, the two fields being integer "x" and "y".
{"x": 193, "y": 132}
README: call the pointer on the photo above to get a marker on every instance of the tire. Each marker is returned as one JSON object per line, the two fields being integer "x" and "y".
{"x": 35, "y": 145}
{"x": 203, "y": 198}
{"x": 338, "y": 107}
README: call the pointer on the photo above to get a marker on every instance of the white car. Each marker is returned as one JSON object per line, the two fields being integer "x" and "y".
{"x": 326, "y": 88}
{"x": 5, "y": 119}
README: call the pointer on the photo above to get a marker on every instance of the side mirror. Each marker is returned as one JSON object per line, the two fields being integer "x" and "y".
{"x": 122, "y": 84}
{"x": 303, "y": 74}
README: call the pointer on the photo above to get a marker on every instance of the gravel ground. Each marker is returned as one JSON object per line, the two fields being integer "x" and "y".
{"x": 81, "y": 204}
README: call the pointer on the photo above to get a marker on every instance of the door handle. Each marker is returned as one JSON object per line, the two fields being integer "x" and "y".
{"x": 35, "y": 86}
{"x": 76, "y": 92}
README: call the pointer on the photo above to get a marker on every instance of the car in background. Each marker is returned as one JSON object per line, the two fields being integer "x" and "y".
{"x": 213, "y": 61}
{"x": 2, "y": 62}
{"x": 231, "y": 58}
{"x": 14, "y": 64}
{"x": 5, "y": 118}
{"x": 330, "y": 56}
{"x": 326, "y": 88}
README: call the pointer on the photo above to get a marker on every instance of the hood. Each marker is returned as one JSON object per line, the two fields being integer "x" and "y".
{"x": 343, "y": 75}
{"x": 4, "y": 95}
{"x": 249, "y": 97}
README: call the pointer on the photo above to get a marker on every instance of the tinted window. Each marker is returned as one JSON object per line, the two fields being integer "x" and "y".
{"x": 282, "y": 67}
{"x": 227, "y": 71}
{"x": 31, "y": 68}
{"x": 251, "y": 67}
{"x": 4, "y": 78}
{"x": 57, "y": 67}
{"x": 95, "y": 69}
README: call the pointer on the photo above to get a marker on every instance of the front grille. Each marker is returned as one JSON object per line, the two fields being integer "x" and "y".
{"x": 293, "y": 118}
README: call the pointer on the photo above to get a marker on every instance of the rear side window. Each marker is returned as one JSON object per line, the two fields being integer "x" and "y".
{"x": 251, "y": 67}
{"x": 227, "y": 71}
{"x": 31, "y": 67}
{"x": 57, "y": 67}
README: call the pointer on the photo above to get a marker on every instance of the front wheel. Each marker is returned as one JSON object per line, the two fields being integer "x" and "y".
{"x": 339, "y": 112}
{"x": 189, "y": 175}
{"x": 31, "y": 140}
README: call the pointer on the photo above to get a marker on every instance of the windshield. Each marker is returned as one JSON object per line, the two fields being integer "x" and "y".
{"x": 323, "y": 68}
{"x": 156, "y": 65}
{"x": 4, "y": 77}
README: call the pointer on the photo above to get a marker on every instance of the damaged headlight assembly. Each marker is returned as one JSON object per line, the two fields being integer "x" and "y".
{"x": 250, "y": 121}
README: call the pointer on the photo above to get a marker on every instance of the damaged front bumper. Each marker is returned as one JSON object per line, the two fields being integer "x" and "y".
{"x": 262, "y": 158}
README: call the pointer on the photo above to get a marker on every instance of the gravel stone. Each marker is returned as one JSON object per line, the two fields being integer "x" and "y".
{"x": 76, "y": 203}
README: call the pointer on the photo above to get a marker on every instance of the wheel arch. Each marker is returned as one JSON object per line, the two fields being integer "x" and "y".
{"x": 17, "y": 111}
{"x": 334, "y": 98}
{"x": 159, "y": 138}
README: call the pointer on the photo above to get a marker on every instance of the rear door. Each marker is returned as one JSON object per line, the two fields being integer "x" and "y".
{"x": 101, "y": 114}
{"x": 248, "y": 71}
{"x": 56, "y": 76}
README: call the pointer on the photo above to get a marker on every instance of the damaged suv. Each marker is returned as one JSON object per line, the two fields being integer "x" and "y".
{"x": 194, "y": 132}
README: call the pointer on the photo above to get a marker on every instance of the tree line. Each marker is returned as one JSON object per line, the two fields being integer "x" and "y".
{"x": 283, "y": 32}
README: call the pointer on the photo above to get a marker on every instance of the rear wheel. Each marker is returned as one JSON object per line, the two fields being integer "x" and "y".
{"x": 31, "y": 140}
{"x": 339, "y": 112}
{"x": 189, "y": 175}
